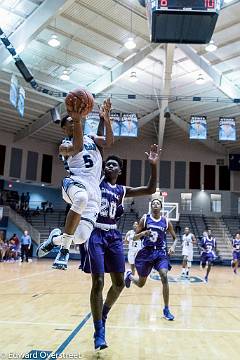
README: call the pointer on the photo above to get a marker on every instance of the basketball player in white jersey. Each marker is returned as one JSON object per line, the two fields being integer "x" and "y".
{"x": 81, "y": 188}
{"x": 133, "y": 246}
{"x": 188, "y": 239}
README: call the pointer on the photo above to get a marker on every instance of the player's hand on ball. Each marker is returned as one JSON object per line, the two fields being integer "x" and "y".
{"x": 171, "y": 250}
{"x": 153, "y": 155}
{"x": 105, "y": 109}
{"x": 76, "y": 110}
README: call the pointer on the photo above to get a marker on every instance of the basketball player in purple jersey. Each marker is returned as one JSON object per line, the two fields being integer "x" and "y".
{"x": 236, "y": 252}
{"x": 208, "y": 246}
{"x": 105, "y": 245}
{"x": 154, "y": 255}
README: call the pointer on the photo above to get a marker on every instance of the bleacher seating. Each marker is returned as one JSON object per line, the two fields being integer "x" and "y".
{"x": 232, "y": 223}
{"x": 222, "y": 228}
{"x": 44, "y": 223}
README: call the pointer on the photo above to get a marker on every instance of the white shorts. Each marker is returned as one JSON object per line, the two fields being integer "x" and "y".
{"x": 131, "y": 257}
{"x": 92, "y": 208}
{"x": 188, "y": 252}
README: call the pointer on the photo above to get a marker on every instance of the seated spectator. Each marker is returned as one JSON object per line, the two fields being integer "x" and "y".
{"x": 3, "y": 248}
{"x": 16, "y": 240}
{"x": 13, "y": 250}
{"x": 7, "y": 255}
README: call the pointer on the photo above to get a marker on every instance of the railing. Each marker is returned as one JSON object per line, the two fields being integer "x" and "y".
{"x": 46, "y": 220}
{"x": 22, "y": 223}
{"x": 221, "y": 225}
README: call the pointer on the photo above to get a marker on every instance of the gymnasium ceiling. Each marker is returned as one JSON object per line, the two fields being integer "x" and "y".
{"x": 92, "y": 36}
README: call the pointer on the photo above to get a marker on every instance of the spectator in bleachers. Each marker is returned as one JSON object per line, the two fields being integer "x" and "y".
{"x": 17, "y": 208}
{"x": 3, "y": 248}
{"x": 13, "y": 247}
{"x": 49, "y": 207}
{"x": 27, "y": 199}
{"x": 16, "y": 240}
{"x": 22, "y": 201}
{"x": 43, "y": 205}
{"x": 178, "y": 228}
{"x": 7, "y": 253}
{"x": 26, "y": 242}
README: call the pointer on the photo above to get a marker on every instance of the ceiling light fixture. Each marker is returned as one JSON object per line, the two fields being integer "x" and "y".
{"x": 133, "y": 76}
{"x": 65, "y": 76}
{"x": 53, "y": 41}
{"x": 130, "y": 43}
{"x": 200, "y": 79}
{"x": 211, "y": 46}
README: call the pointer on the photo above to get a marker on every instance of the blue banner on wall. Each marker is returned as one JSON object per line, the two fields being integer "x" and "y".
{"x": 13, "y": 94}
{"x": 91, "y": 123}
{"x": 21, "y": 101}
{"x": 129, "y": 125}
{"x": 116, "y": 123}
{"x": 227, "y": 129}
{"x": 198, "y": 127}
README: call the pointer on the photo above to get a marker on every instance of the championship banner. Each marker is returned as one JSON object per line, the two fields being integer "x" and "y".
{"x": 227, "y": 129}
{"x": 13, "y": 94}
{"x": 21, "y": 100}
{"x": 91, "y": 123}
{"x": 198, "y": 127}
{"x": 116, "y": 123}
{"x": 129, "y": 125}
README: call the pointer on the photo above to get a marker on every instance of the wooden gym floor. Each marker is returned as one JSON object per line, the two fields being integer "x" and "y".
{"x": 48, "y": 310}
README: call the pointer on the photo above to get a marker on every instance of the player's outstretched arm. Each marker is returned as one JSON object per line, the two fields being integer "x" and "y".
{"x": 76, "y": 115}
{"x": 69, "y": 148}
{"x": 108, "y": 140}
{"x": 72, "y": 148}
{"x": 153, "y": 157}
{"x": 172, "y": 232}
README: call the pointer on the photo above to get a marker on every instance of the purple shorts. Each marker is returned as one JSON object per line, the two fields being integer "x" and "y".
{"x": 236, "y": 255}
{"x": 207, "y": 258}
{"x": 104, "y": 252}
{"x": 150, "y": 258}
